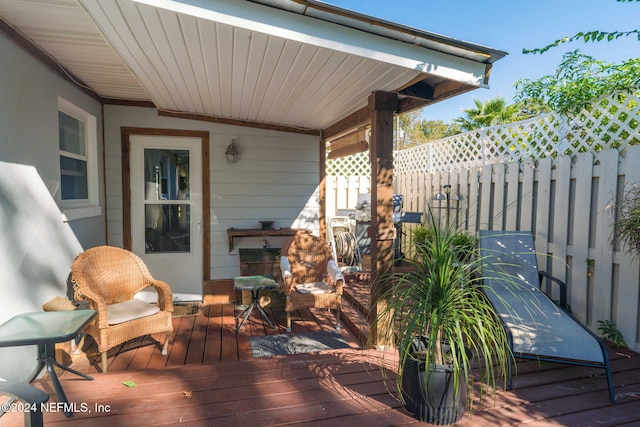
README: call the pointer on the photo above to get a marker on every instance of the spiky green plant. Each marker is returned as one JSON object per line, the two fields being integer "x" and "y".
{"x": 628, "y": 226}
{"x": 443, "y": 298}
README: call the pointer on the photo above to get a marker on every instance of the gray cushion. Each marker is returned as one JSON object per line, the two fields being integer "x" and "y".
{"x": 129, "y": 310}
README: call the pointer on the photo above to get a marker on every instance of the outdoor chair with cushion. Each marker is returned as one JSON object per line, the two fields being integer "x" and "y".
{"x": 311, "y": 276}
{"x": 109, "y": 278}
{"x": 538, "y": 328}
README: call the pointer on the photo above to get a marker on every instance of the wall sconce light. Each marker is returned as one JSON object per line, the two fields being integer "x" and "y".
{"x": 232, "y": 152}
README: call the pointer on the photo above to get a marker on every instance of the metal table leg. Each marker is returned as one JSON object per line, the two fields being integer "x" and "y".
{"x": 48, "y": 357}
{"x": 255, "y": 302}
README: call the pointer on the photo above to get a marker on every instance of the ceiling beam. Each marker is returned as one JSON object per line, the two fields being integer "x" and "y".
{"x": 128, "y": 103}
{"x": 236, "y": 122}
{"x": 409, "y": 104}
{"x": 448, "y": 88}
{"x": 360, "y": 118}
{"x": 421, "y": 89}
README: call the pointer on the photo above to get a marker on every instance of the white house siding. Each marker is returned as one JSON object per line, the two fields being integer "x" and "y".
{"x": 37, "y": 246}
{"x": 29, "y": 93}
{"x": 276, "y": 178}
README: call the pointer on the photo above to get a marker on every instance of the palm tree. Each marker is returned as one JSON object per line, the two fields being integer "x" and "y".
{"x": 487, "y": 113}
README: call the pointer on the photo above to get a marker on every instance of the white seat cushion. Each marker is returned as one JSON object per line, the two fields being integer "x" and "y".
{"x": 315, "y": 288}
{"x": 129, "y": 310}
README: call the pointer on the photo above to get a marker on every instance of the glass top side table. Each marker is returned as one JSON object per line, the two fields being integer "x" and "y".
{"x": 45, "y": 329}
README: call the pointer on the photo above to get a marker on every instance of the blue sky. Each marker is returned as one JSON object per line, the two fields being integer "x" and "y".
{"x": 511, "y": 25}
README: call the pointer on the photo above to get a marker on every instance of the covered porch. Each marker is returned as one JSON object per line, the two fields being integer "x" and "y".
{"x": 283, "y": 80}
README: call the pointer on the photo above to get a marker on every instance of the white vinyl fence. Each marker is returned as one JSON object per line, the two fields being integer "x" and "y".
{"x": 555, "y": 178}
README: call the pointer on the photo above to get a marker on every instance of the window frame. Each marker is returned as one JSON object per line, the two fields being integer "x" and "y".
{"x": 81, "y": 208}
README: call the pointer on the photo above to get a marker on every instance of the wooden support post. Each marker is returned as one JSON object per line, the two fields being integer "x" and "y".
{"x": 382, "y": 105}
{"x": 322, "y": 182}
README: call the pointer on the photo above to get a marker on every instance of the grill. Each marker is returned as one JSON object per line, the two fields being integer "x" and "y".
{"x": 363, "y": 221}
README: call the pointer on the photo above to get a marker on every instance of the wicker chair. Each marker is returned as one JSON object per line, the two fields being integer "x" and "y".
{"x": 108, "y": 278}
{"x": 311, "y": 276}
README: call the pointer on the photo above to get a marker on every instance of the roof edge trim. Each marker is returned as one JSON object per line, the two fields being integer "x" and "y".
{"x": 380, "y": 27}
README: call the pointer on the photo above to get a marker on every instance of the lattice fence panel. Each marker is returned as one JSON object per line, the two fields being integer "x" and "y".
{"x": 354, "y": 165}
{"x": 612, "y": 122}
{"x": 529, "y": 139}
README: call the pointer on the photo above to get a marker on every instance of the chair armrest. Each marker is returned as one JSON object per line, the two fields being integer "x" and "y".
{"x": 287, "y": 276}
{"x": 96, "y": 302}
{"x": 28, "y": 394}
{"x": 165, "y": 295}
{"x": 334, "y": 271}
{"x": 562, "y": 288}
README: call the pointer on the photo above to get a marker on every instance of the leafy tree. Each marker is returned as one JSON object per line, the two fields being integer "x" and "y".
{"x": 437, "y": 129}
{"x": 589, "y": 36}
{"x": 490, "y": 112}
{"x": 407, "y": 132}
{"x": 532, "y": 108}
{"x": 578, "y": 80}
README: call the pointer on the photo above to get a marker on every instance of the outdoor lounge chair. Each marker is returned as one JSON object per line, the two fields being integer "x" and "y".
{"x": 311, "y": 276}
{"x": 537, "y": 327}
{"x": 18, "y": 367}
{"x": 108, "y": 278}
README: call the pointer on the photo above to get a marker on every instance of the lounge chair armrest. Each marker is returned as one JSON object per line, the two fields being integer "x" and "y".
{"x": 562, "y": 288}
{"x": 23, "y": 392}
{"x": 334, "y": 271}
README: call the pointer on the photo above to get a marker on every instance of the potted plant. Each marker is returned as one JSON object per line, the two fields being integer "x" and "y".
{"x": 441, "y": 319}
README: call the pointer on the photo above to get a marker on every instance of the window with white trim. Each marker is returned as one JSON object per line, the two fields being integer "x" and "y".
{"x": 77, "y": 132}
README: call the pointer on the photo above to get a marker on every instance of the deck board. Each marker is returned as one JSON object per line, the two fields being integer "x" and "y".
{"x": 345, "y": 387}
{"x": 211, "y": 378}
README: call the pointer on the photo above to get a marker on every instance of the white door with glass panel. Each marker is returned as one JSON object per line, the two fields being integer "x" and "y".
{"x": 166, "y": 210}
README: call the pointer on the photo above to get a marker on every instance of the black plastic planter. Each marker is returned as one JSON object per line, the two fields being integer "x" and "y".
{"x": 431, "y": 396}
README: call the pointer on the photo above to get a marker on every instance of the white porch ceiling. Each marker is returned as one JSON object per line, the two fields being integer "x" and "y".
{"x": 243, "y": 60}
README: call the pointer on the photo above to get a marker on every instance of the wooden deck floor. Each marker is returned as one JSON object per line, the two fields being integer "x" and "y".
{"x": 210, "y": 337}
{"x": 210, "y": 378}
